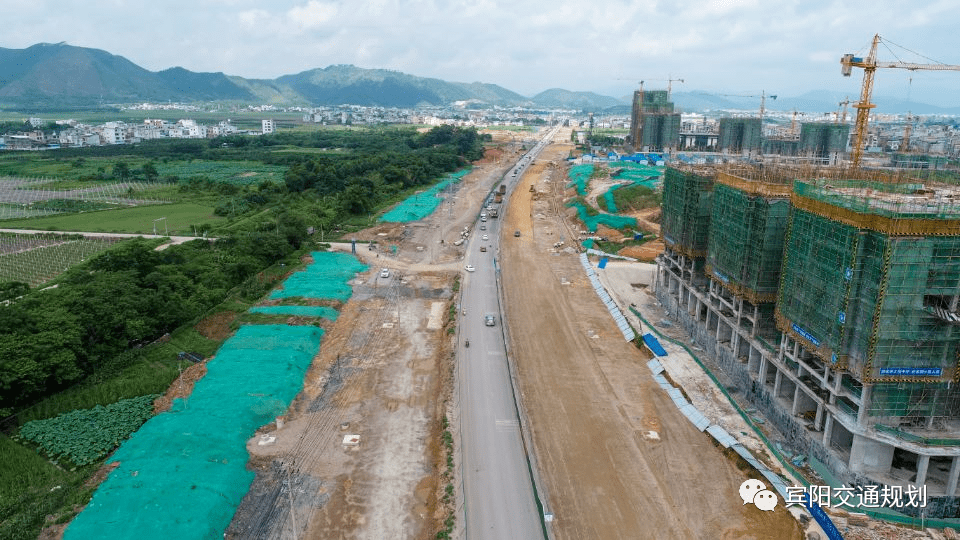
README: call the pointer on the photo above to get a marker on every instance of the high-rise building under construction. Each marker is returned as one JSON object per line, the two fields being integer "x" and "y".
{"x": 834, "y": 306}
{"x": 654, "y": 126}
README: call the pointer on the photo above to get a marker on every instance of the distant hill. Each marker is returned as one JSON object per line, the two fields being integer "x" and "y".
{"x": 586, "y": 101}
{"x": 52, "y": 76}
{"x": 60, "y": 75}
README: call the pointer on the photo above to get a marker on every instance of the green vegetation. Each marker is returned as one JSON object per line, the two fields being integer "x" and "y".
{"x": 180, "y": 219}
{"x": 32, "y": 488}
{"x": 87, "y": 435}
{"x": 88, "y": 341}
{"x": 634, "y": 198}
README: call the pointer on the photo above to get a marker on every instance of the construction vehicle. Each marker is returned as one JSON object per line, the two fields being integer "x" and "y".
{"x": 494, "y": 212}
{"x": 498, "y": 198}
{"x": 503, "y": 189}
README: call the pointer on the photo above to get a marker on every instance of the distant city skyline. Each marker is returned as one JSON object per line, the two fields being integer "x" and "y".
{"x": 786, "y": 48}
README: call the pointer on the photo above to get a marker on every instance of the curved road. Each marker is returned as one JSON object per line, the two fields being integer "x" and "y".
{"x": 499, "y": 501}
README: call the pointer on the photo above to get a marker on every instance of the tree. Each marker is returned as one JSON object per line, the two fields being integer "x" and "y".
{"x": 121, "y": 170}
{"x": 150, "y": 172}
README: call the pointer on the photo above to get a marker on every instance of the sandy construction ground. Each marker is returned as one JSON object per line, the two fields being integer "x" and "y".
{"x": 616, "y": 457}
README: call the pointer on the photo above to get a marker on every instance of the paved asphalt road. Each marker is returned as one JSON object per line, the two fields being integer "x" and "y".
{"x": 498, "y": 489}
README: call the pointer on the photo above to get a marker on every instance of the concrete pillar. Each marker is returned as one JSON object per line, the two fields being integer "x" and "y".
{"x": 819, "y": 418}
{"x": 923, "y": 464}
{"x": 864, "y": 405}
{"x": 868, "y": 455}
{"x": 827, "y": 430}
{"x": 954, "y": 475}
{"x": 796, "y": 400}
{"x": 777, "y": 379}
{"x": 763, "y": 370}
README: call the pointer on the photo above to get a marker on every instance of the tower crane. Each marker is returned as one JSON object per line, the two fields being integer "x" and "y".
{"x": 843, "y": 104}
{"x": 870, "y": 65}
{"x": 763, "y": 101}
{"x": 907, "y": 130}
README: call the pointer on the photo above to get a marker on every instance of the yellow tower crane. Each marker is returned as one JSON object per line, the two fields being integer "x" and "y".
{"x": 842, "y": 104}
{"x": 870, "y": 65}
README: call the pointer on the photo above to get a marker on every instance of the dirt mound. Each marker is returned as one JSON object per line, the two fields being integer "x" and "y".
{"x": 646, "y": 252}
{"x": 181, "y": 388}
{"x": 216, "y": 326}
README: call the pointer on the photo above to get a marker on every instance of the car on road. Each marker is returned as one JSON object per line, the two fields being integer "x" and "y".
{"x": 516, "y": 233}
{"x": 483, "y": 248}
{"x": 484, "y": 237}
{"x": 384, "y": 273}
{"x": 469, "y": 268}
{"x": 489, "y": 320}
{"x": 483, "y": 227}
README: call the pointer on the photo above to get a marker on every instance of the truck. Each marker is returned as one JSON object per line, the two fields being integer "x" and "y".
{"x": 503, "y": 189}
{"x": 498, "y": 198}
{"x": 494, "y": 212}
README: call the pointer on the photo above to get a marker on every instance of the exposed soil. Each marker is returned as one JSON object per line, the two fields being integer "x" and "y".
{"x": 589, "y": 400}
{"x": 216, "y": 326}
{"x": 384, "y": 373}
{"x": 181, "y": 388}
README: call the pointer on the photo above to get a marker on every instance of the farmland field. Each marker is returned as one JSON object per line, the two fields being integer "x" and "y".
{"x": 233, "y": 172}
{"x": 37, "y": 259}
{"x": 139, "y": 219}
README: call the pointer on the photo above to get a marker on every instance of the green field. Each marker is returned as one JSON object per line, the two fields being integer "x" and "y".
{"x": 180, "y": 219}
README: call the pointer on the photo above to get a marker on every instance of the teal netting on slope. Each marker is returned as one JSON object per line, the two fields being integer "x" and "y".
{"x": 608, "y": 198}
{"x": 424, "y": 203}
{"x": 325, "y": 277}
{"x": 608, "y": 220}
{"x": 303, "y": 311}
{"x": 580, "y": 176}
{"x": 184, "y": 472}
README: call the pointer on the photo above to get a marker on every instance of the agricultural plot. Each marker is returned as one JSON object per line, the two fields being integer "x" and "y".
{"x": 25, "y": 197}
{"x": 177, "y": 219}
{"x": 35, "y": 259}
{"x": 231, "y": 172}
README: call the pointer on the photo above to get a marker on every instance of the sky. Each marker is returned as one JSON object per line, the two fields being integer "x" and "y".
{"x": 785, "y": 47}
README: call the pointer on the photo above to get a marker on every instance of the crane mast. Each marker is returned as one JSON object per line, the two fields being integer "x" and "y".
{"x": 869, "y": 66}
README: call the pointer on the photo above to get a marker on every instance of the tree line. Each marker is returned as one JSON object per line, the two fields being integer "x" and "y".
{"x": 131, "y": 295}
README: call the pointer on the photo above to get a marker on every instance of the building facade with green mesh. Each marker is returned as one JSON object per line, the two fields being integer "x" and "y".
{"x": 862, "y": 368}
{"x": 687, "y": 198}
{"x": 655, "y": 125}
{"x": 740, "y": 135}
{"x": 870, "y": 285}
{"x": 747, "y": 228}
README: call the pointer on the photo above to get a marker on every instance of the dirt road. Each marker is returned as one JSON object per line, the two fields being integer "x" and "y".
{"x": 591, "y": 402}
{"x": 382, "y": 373}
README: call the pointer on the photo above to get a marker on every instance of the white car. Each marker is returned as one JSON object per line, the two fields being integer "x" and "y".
{"x": 485, "y": 237}
{"x": 384, "y": 273}
{"x": 469, "y": 268}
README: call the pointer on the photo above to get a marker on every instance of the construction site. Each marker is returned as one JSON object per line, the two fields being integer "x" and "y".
{"x": 829, "y": 298}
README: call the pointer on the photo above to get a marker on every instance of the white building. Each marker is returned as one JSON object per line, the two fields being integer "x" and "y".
{"x": 267, "y": 126}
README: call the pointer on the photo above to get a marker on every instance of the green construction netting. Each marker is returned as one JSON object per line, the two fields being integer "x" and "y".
{"x": 305, "y": 311}
{"x": 746, "y": 237}
{"x": 325, "y": 277}
{"x": 424, "y": 203}
{"x": 608, "y": 220}
{"x": 880, "y": 302}
{"x": 608, "y": 198}
{"x": 687, "y": 205}
{"x": 183, "y": 474}
{"x": 636, "y": 173}
{"x": 580, "y": 177}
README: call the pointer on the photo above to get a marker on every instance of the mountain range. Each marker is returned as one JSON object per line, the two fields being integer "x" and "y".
{"x": 57, "y": 76}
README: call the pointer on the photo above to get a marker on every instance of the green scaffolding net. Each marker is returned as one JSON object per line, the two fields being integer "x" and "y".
{"x": 302, "y": 311}
{"x": 580, "y": 176}
{"x": 325, "y": 277}
{"x": 882, "y": 306}
{"x": 745, "y": 247}
{"x": 608, "y": 220}
{"x": 424, "y": 203}
{"x": 184, "y": 472}
{"x": 687, "y": 205}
